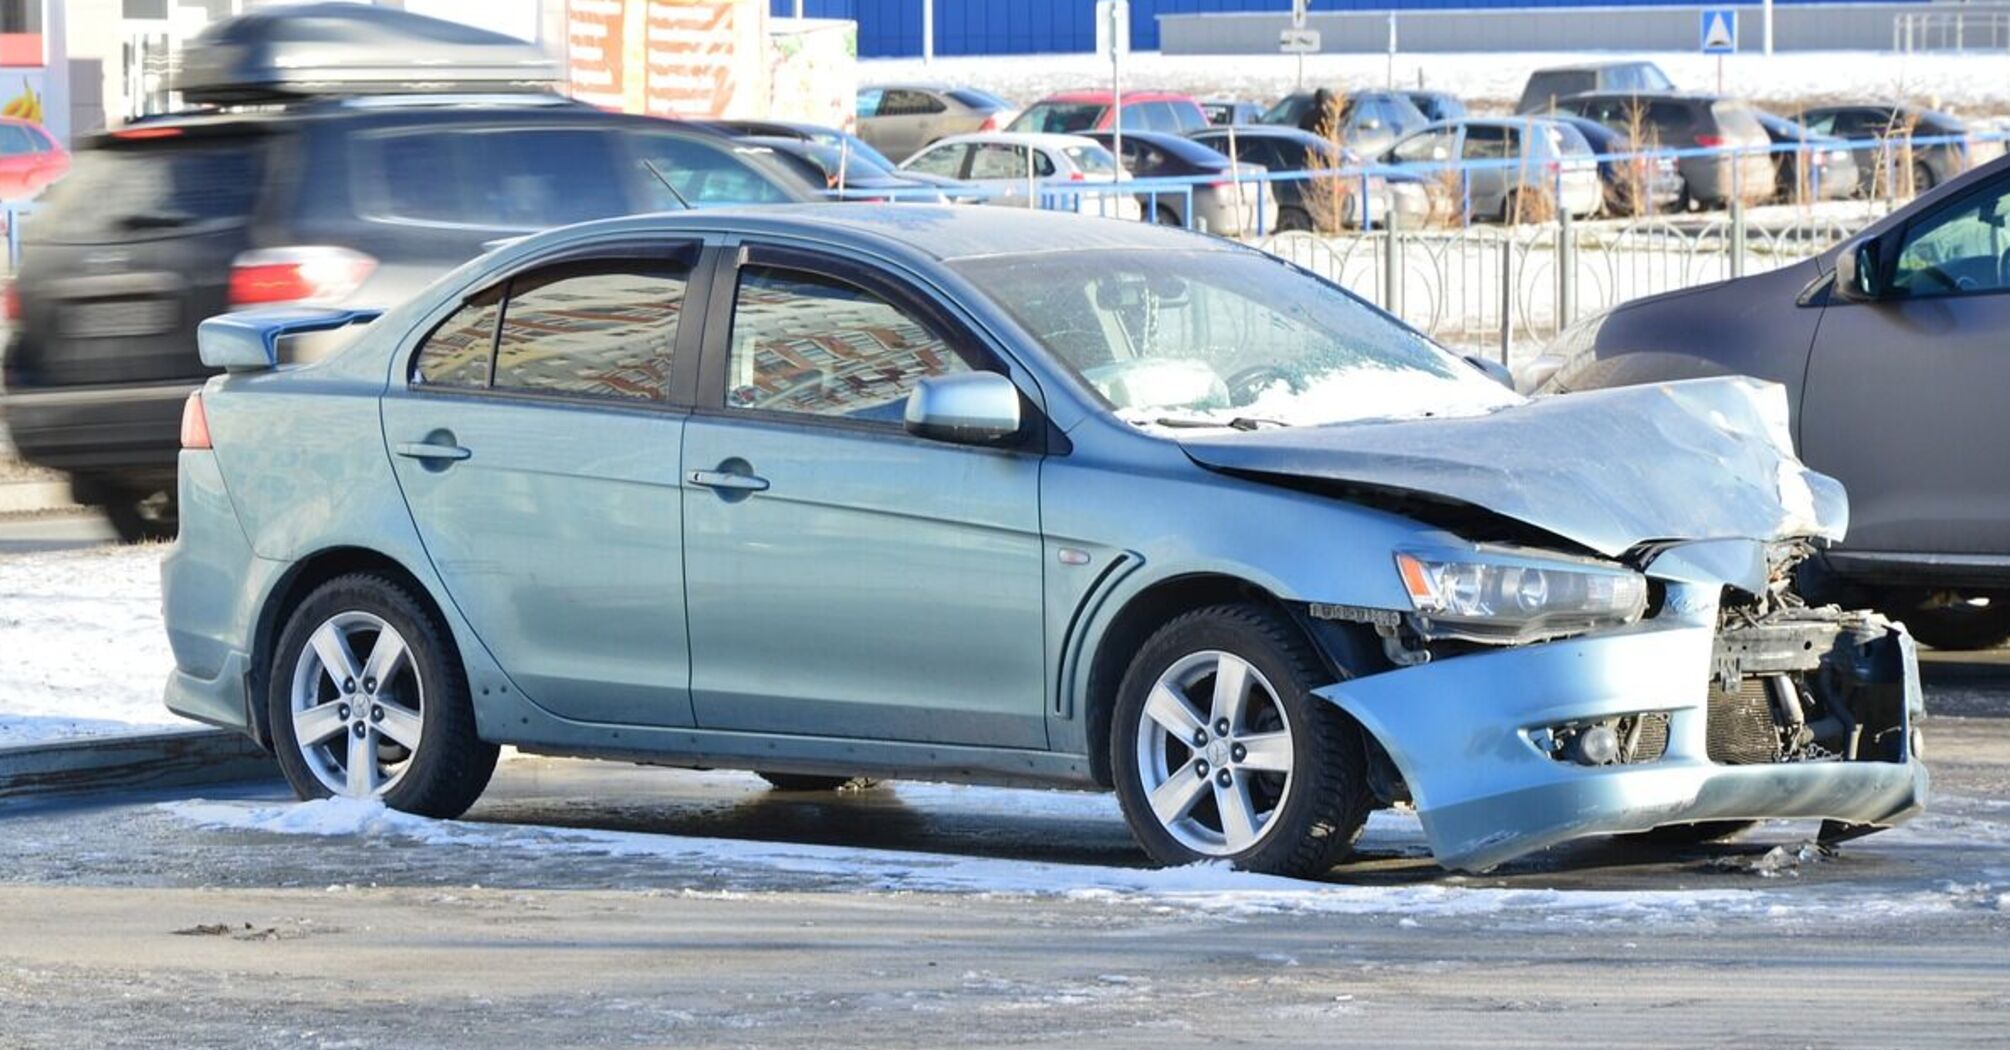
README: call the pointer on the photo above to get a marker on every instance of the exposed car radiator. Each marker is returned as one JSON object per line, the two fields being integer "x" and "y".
{"x": 1740, "y": 730}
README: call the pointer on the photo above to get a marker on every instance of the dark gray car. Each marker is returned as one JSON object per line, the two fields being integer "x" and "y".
{"x": 1692, "y": 123}
{"x": 1892, "y": 142}
{"x": 1546, "y": 87}
{"x": 1891, "y": 349}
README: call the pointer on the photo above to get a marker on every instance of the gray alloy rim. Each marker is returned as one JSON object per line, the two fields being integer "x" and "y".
{"x": 356, "y": 722}
{"x": 1214, "y": 753}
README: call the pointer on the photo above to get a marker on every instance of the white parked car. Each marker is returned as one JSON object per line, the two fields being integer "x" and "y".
{"x": 1024, "y": 169}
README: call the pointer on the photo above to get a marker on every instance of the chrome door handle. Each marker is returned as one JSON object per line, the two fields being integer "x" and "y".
{"x": 728, "y": 481}
{"x": 428, "y": 450}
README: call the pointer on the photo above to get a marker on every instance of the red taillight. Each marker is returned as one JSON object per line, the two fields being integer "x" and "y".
{"x": 194, "y": 423}
{"x": 144, "y": 132}
{"x": 10, "y": 302}
{"x": 293, "y": 275}
{"x": 1076, "y": 176}
{"x": 1709, "y": 141}
{"x": 990, "y": 123}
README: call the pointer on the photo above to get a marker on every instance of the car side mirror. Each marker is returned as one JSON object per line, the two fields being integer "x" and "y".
{"x": 968, "y": 408}
{"x": 1494, "y": 369}
{"x": 1859, "y": 273}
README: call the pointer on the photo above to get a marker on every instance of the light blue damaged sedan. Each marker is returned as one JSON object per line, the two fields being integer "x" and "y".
{"x": 830, "y": 492}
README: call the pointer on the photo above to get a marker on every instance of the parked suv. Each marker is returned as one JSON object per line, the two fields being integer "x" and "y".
{"x": 1890, "y": 142}
{"x": 1546, "y": 87}
{"x": 1890, "y": 347}
{"x": 163, "y": 223}
{"x": 1366, "y": 122}
{"x": 1695, "y": 123}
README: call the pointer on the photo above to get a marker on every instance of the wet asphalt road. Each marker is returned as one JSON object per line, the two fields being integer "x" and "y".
{"x": 124, "y": 923}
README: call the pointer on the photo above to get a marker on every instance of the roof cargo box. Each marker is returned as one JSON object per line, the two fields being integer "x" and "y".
{"x": 289, "y": 52}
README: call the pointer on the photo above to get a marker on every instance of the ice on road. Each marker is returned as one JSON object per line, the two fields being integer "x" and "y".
{"x": 82, "y": 651}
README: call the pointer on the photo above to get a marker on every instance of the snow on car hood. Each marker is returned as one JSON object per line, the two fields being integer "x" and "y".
{"x": 1610, "y": 469}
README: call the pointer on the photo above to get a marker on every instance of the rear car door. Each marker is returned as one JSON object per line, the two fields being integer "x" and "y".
{"x": 535, "y": 433}
{"x": 1904, "y": 397}
{"x": 906, "y": 119}
{"x": 845, "y": 578}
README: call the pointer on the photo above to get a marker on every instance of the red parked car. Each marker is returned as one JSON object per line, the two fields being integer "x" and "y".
{"x": 29, "y": 158}
{"x": 1080, "y": 112}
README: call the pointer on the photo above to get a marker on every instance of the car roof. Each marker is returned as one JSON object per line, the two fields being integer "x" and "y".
{"x": 1049, "y": 139}
{"x": 939, "y": 232}
{"x": 1593, "y": 67}
{"x": 1104, "y": 96}
{"x": 397, "y": 109}
{"x": 1179, "y": 146}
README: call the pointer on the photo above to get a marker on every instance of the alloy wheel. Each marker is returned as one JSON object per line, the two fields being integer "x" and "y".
{"x": 357, "y": 722}
{"x": 1214, "y": 753}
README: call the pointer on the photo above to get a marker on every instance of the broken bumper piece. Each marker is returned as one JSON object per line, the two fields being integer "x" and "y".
{"x": 1480, "y": 741}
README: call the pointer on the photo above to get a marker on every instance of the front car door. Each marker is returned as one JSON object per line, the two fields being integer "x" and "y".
{"x": 1904, "y": 396}
{"x": 535, "y": 433}
{"x": 845, "y": 578}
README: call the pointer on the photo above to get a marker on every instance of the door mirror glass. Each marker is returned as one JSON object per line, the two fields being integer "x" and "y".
{"x": 969, "y": 408}
{"x": 1857, "y": 274}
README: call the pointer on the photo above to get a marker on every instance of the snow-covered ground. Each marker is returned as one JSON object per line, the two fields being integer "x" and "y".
{"x": 1969, "y": 85}
{"x": 82, "y": 652}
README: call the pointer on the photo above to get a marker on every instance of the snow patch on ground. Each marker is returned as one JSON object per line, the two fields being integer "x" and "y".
{"x": 1970, "y": 85}
{"x": 82, "y": 651}
{"x": 734, "y": 864}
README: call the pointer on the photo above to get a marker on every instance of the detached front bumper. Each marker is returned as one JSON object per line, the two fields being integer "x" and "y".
{"x": 1464, "y": 734}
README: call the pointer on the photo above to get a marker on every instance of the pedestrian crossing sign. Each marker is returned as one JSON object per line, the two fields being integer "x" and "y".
{"x": 1719, "y": 30}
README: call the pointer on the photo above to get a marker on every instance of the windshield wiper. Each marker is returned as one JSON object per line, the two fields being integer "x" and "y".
{"x": 1237, "y": 423}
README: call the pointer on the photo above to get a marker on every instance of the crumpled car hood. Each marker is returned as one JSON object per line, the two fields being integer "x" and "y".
{"x": 1610, "y": 469}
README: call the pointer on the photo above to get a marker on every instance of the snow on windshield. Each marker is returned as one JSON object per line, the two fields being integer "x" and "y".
{"x": 1194, "y": 338}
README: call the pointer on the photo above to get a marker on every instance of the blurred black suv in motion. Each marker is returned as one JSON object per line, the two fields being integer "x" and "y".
{"x": 357, "y": 201}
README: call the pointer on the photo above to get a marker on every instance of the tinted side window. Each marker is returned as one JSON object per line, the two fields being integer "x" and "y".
{"x": 704, "y": 173}
{"x": 592, "y": 331}
{"x": 15, "y": 141}
{"x": 1187, "y": 116}
{"x": 457, "y": 354}
{"x": 868, "y": 102}
{"x": 112, "y": 192}
{"x": 909, "y": 103}
{"x": 813, "y": 345}
{"x": 512, "y": 179}
{"x": 1487, "y": 142}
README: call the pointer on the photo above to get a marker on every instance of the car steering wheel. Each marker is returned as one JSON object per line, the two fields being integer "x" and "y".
{"x": 1243, "y": 386}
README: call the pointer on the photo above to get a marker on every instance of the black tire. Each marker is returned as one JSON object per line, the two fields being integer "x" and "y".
{"x": 1292, "y": 217}
{"x": 452, "y": 764}
{"x": 1692, "y": 834}
{"x": 1166, "y": 216}
{"x": 1922, "y": 177}
{"x": 813, "y": 782}
{"x": 1323, "y": 811}
{"x": 142, "y": 518}
{"x": 1959, "y": 628}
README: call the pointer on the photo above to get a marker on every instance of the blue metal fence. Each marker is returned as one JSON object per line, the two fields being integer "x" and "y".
{"x": 892, "y": 28}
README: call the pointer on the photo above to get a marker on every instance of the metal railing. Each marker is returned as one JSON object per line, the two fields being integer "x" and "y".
{"x": 1960, "y": 29}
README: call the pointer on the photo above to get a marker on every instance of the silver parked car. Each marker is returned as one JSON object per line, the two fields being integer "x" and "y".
{"x": 899, "y": 120}
{"x": 1506, "y": 168}
{"x": 1018, "y": 169}
{"x": 974, "y": 494}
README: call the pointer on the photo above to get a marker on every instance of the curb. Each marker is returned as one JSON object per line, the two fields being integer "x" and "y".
{"x": 174, "y": 758}
{"x": 22, "y": 497}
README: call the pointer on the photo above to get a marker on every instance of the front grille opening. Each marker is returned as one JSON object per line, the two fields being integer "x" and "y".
{"x": 1740, "y": 729}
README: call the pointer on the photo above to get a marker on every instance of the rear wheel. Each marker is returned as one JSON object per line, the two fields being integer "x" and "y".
{"x": 1294, "y": 218}
{"x": 1922, "y": 177}
{"x": 812, "y": 782}
{"x": 1959, "y": 625}
{"x": 368, "y": 700}
{"x": 1221, "y": 752}
{"x": 1165, "y": 216}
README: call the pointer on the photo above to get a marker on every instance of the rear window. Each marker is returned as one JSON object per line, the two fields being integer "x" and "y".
{"x": 1738, "y": 121}
{"x": 1095, "y": 160}
{"x": 503, "y": 178}
{"x": 976, "y": 99}
{"x": 116, "y": 192}
{"x": 1060, "y": 117}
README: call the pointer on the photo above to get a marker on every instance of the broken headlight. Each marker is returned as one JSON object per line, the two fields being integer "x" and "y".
{"x": 1505, "y": 599}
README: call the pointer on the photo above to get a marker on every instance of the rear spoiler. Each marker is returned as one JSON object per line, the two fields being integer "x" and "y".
{"x": 248, "y": 340}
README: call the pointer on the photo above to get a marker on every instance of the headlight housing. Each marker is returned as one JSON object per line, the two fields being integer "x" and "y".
{"x": 1502, "y": 598}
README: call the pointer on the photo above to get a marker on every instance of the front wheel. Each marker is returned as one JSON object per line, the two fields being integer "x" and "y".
{"x": 368, "y": 700}
{"x": 813, "y": 782}
{"x": 1221, "y": 752}
{"x": 1959, "y": 626}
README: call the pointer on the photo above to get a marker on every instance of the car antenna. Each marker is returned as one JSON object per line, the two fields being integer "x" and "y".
{"x": 658, "y": 172}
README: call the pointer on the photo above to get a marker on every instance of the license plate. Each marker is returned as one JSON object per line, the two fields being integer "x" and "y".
{"x": 119, "y": 318}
